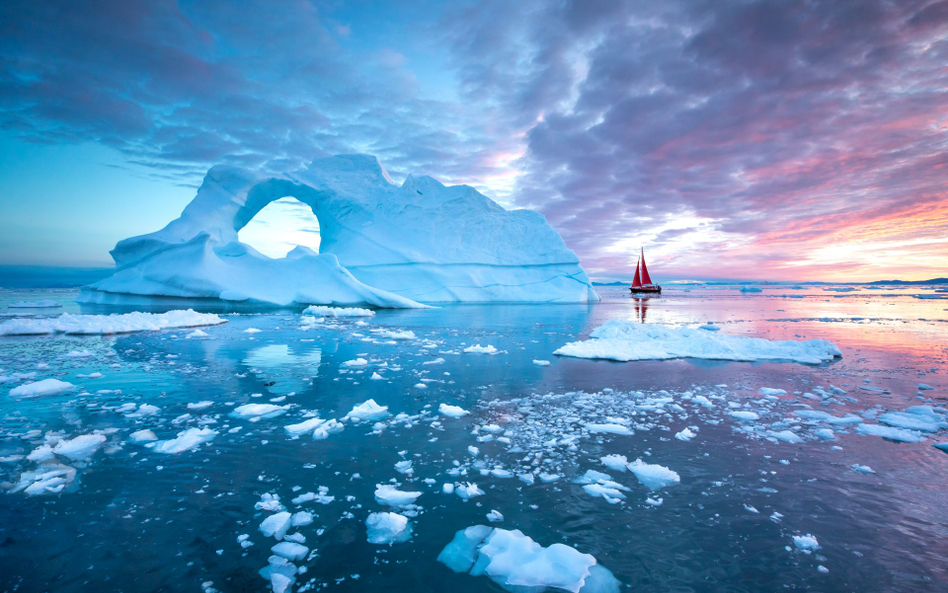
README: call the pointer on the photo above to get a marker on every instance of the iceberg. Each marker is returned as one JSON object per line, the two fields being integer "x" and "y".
{"x": 382, "y": 245}
{"x": 629, "y": 340}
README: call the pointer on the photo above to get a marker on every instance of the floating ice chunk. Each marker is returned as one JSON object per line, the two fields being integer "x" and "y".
{"x": 186, "y": 440}
{"x": 827, "y": 417}
{"x": 609, "y": 494}
{"x": 495, "y": 516}
{"x": 787, "y": 436}
{"x": 46, "y": 479}
{"x": 376, "y": 377}
{"x": 198, "y": 333}
{"x": 615, "y": 462}
{"x": 772, "y": 391}
{"x": 257, "y": 412}
{"x": 468, "y": 491}
{"x": 387, "y": 528}
{"x": 41, "y": 388}
{"x": 252, "y": 330}
{"x": 269, "y": 502}
{"x": 609, "y": 428}
{"x": 390, "y": 495}
{"x": 107, "y": 324}
{"x": 367, "y": 411}
{"x": 357, "y": 362}
{"x": 202, "y": 405}
{"x": 41, "y": 304}
{"x": 300, "y": 519}
{"x": 541, "y": 363}
{"x": 920, "y": 418}
{"x": 517, "y": 563}
{"x": 806, "y": 543}
{"x": 924, "y": 387}
{"x": 143, "y": 436}
{"x": 80, "y": 447}
{"x": 292, "y": 551}
{"x": 686, "y": 434}
{"x": 653, "y": 476}
{"x": 625, "y": 340}
{"x": 751, "y": 289}
{"x": 863, "y": 469}
{"x": 395, "y": 334}
{"x": 889, "y": 432}
{"x": 405, "y": 467}
{"x": 710, "y": 327}
{"x": 276, "y": 525}
{"x": 942, "y": 446}
{"x": 478, "y": 349}
{"x": 452, "y": 411}
{"x": 702, "y": 400}
{"x": 320, "y": 311}
{"x": 744, "y": 415}
{"x": 319, "y": 429}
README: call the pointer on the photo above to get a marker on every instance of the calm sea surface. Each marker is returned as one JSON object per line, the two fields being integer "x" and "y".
{"x": 137, "y": 520}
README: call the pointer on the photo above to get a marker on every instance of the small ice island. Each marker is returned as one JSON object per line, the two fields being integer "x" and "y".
{"x": 382, "y": 245}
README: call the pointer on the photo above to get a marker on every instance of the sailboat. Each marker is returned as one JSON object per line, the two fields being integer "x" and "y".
{"x": 643, "y": 284}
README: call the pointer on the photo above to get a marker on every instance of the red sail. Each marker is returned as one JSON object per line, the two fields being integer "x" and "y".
{"x": 636, "y": 282}
{"x": 645, "y": 277}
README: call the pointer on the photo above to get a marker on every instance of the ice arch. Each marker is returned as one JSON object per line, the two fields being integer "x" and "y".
{"x": 280, "y": 226}
{"x": 381, "y": 244}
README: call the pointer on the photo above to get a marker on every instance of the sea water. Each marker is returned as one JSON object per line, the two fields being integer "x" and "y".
{"x": 751, "y": 494}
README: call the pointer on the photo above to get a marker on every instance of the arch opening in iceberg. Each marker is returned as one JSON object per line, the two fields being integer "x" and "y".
{"x": 381, "y": 245}
{"x": 281, "y": 226}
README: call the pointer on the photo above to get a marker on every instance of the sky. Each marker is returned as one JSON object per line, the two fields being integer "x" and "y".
{"x": 756, "y": 139}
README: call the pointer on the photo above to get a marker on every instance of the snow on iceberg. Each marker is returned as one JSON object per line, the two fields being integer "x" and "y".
{"x": 381, "y": 244}
{"x": 517, "y": 563}
{"x": 107, "y": 324}
{"x": 628, "y": 340}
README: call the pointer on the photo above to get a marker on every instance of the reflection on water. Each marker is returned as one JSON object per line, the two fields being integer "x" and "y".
{"x": 282, "y": 369}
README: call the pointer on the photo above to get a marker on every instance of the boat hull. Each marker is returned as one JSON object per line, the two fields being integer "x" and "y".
{"x": 654, "y": 289}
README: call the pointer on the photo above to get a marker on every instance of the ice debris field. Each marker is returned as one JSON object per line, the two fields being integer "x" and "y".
{"x": 732, "y": 441}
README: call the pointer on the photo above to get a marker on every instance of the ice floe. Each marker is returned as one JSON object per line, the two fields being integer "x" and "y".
{"x": 518, "y": 563}
{"x": 367, "y": 411}
{"x": 452, "y": 411}
{"x": 322, "y": 311}
{"x": 387, "y": 528}
{"x": 41, "y": 388}
{"x": 625, "y": 341}
{"x": 187, "y": 440}
{"x": 390, "y": 495}
{"x": 257, "y": 412}
{"x": 653, "y": 476}
{"x": 68, "y": 323}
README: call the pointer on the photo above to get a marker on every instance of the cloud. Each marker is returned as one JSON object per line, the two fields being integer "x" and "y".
{"x": 742, "y": 137}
